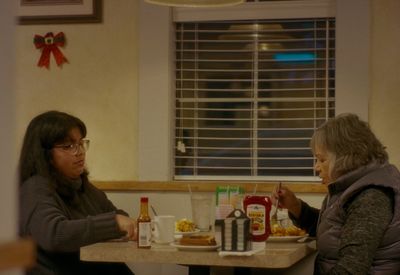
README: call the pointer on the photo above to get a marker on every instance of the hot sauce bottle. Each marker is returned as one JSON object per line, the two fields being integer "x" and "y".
{"x": 144, "y": 225}
{"x": 257, "y": 208}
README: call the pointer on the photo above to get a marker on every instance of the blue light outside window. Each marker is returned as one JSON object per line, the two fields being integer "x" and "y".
{"x": 295, "y": 57}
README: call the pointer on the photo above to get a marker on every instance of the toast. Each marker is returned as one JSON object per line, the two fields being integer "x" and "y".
{"x": 201, "y": 240}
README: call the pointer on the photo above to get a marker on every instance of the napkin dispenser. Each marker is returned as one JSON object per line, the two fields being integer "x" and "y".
{"x": 235, "y": 235}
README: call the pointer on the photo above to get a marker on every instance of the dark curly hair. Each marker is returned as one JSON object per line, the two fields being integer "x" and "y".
{"x": 43, "y": 132}
{"x": 349, "y": 142}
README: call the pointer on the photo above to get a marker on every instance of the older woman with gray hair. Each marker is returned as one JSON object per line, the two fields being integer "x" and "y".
{"x": 358, "y": 226}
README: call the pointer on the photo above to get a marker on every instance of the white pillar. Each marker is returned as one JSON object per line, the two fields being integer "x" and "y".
{"x": 8, "y": 194}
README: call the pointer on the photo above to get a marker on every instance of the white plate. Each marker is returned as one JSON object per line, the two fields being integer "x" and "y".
{"x": 187, "y": 233}
{"x": 244, "y": 253}
{"x": 285, "y": 238}
{"x": 195, "y": 247}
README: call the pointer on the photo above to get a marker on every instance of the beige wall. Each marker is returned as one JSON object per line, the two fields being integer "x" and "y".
{"x": 385, "y": 75}
{"x": 99, "y": 85}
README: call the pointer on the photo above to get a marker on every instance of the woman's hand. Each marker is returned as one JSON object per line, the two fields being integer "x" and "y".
{"x": 287, "y": 199}
{"x": 127, "y": 225}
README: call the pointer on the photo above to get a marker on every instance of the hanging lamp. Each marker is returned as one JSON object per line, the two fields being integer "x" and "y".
{"x": 196, "y": 3}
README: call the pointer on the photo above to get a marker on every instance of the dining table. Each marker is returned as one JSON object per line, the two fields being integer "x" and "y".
{"x": 275, "y": 255}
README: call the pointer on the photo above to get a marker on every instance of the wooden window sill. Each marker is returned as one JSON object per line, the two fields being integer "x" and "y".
{"x": 204, "y": 186}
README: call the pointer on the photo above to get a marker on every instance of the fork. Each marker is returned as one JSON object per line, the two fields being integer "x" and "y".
{"x": 274, "y": 217}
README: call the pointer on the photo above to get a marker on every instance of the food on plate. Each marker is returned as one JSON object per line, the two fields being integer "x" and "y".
{"x": 184, "y": 225}
{"x": 279, "y": 231}
{"x": 201, "y": 240}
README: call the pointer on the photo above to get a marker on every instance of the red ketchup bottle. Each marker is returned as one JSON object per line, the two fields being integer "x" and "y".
{"x": 257, "y": 208}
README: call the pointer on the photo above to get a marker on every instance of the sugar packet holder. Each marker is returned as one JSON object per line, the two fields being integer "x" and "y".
{"x": 228, "y": 198}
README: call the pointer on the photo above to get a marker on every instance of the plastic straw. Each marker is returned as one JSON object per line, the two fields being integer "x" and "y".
{"x": 154, "y": 211}
{"x": 190, "y": 189}
{"x": 255, "y": 189}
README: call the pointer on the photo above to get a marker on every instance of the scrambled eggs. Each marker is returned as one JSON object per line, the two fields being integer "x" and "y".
{"x": 184, "y": 225}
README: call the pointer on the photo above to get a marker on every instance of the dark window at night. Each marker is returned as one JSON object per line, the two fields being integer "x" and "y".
{"x": 249, "y": 95}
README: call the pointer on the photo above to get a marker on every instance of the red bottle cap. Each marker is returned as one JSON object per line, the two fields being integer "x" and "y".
{"x": 144, "y": 199}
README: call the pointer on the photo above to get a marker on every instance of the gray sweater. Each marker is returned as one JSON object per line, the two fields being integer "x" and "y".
{"x": 61, "y": 220}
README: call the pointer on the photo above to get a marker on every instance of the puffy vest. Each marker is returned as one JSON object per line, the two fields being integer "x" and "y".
{"x": 332, "y": 216}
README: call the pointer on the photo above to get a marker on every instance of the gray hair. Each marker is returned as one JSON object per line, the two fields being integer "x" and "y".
{"x": 349, "y": 142}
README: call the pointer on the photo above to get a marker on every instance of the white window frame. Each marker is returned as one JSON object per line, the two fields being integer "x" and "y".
{"x": 156, "y": 73}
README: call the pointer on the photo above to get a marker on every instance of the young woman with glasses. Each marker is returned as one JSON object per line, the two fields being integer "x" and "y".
{"x": 59, "y": 208}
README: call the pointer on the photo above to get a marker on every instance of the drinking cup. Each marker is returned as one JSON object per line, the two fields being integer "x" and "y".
{"x": 164, "y": 228}
{"x": 201, "y": 210}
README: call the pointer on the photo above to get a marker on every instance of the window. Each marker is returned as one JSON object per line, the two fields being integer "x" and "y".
{"x": 249, "y": 95}
{"x": 156, "y": 67}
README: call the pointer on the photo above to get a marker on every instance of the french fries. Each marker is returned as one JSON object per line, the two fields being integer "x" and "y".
{"x": 279, "y": 231}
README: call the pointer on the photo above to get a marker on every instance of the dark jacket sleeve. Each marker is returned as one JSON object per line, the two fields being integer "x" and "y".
{"x": 45, "y": 219}
{"x": 308, "y": 219}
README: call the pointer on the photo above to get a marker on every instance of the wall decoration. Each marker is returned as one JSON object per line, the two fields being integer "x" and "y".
{"x": 59, "y": 11}
{"x": 49, "y": 45}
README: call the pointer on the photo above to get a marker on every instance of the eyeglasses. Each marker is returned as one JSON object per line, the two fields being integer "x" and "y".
{"x": 73, "y": 148}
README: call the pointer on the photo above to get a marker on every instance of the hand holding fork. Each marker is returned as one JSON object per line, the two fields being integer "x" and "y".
{"x": 283, "y": 197}
{"x": 274, "y": 217}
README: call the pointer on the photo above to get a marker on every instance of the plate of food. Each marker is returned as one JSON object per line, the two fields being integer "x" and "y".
{"x": 196, "y": 243}
{"x": 187, "y": 232}
{"x": 195, "y": 247}
{"x": 272, "y": 238}
{"x": 185, "y": 227}
{"x": 286, "y": 234}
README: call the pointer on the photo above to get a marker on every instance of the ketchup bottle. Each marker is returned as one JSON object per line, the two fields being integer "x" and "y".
{"x": 257, "y": 208}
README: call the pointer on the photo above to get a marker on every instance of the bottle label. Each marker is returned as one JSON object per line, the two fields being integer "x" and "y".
{"x": 144, "y": 234}
{"x": 256, "y": 213}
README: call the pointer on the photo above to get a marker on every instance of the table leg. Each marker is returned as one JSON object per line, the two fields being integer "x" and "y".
{"x": 199, "y": 270}
{"x": 229, "y": 270}
{"x": 242, "y": 271}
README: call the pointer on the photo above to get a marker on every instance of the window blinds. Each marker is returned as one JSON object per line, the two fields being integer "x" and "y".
{"x": 249, "y": 95}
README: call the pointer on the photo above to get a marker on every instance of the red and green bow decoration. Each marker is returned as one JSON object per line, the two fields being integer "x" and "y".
{"x": 49, "y": 44}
